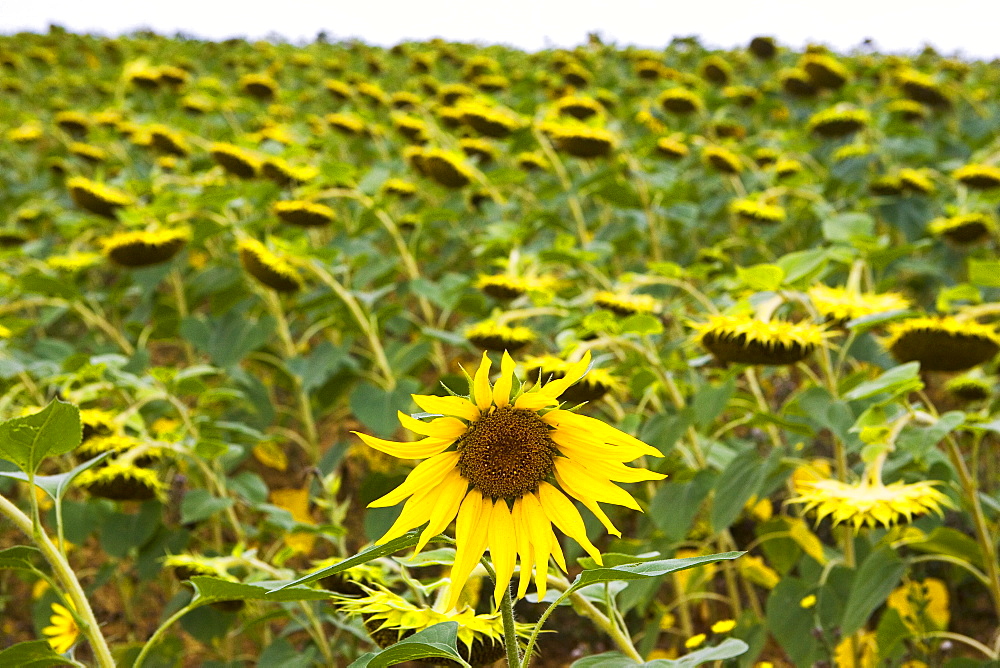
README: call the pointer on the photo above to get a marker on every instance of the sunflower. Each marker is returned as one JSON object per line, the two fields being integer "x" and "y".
{"x": 591, "y": 387}
{"x": 235, "y": 160}
{"x": 354, "y": 580}
{"x": 579, "y": 140}
{"x": 346, "y": 123}
{"x": 97, "y": 197}
{"x": 579, "y": 107}
{"x": 680, "y": 101}
{"x": 743, "y": 339}
{"x": 869, "y": 502}
{"x": 765, "y": 156}
{"x": 73, "y": 261}
{"x": 480, "y": 149}
{"x": 970, "y": 388}
{"x": 942, "y": 343}
{"x": 888, "y": 185}
{"x": 197, "y": 104}
{"x": 722, "y": 159}
{"x": 839, "y": 121}
{"x": 449, "y": 94}
{"x": 824, "y": 71}
{"x": 405, "y": 100}
{"x": 978, "y": 177}
{"x": 390, "y": 618}
{"x": 672, "y": 147}
{"x": 624, "y": 305}
{"x": 716, "y": 70}
{"x": 88, "y": 152}
{"x": 303, "y": 214}
{"x": 400, "y": 188}
{"x": 121, "y": 482}
{"x": 503, "y": 287}
{"x": 144, "y": 248}
{"x": 167, "y": 140}
{"x": 338, "y": 89}
{"x": 851, "y": 151}
{"x": 99, "y": 427}
{"x": 763, "y": 47}
{"x": 749, "y": 210}
{"x": 186, "y": 566}
{"x": 909, "y": 110}
{"x": 963, "y": 229}
{"x": 173, "y": 76}
{"x": 373, "y": 93}
{"x": 25, "y": 133}
{"x": 496, "y": 480}
{"x": 650, "y": 69}
{"x": 922, "y": 88}
{"x": 489, "y": 121}
{"x": 532, "y": 161}
{"x": 62, "y": 630}
{"x": 838, "y": 305}
{"x": 916, "y": 181}
{"x": 742, "y": 96}
{"x": 74, "y": 122}
{"x": 11, "y": 238}
{"x": 576, "y": 75}
{"x": 796, "y": 82}
{"x": 281, "y": 172}
{"x": 260, "y": 86}
{"x": 446, "y": 168}
{"x": 787, "y": 167}
{"x": 412, "y": 129}
{"x": 267, "y": 267}
{"x": 488, "y": 335}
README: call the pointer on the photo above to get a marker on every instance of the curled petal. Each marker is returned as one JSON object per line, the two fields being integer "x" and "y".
{"x": 445, "y": 427}
{"x": 457, "y": 406}
{"x": 584, "y": 484}
{"x": 600, "y": 430}
{"x": 422, "y": 449}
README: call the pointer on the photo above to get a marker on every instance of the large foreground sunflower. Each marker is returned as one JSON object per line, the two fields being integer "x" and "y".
{"x": 491, "y": 460}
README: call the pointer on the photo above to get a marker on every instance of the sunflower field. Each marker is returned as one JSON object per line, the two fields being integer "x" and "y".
{"x": 458, "y": 355}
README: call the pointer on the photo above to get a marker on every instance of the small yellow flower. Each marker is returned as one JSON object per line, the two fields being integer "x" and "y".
{"x": 724, "y": 626}
{"x": 695, "y": 641}
{"x": 808, "y": 602}
{"x": 63, "y": 630}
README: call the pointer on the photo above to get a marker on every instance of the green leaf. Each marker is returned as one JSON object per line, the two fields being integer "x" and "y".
{"x": 376, "y": 408}
{"x": 738, "y": 482}
{"x": 803, "y": 266}
{"x": 761, "y": 277}
{"x": 19, "y": 558}
{"x": 647, "y": 569}
{"x": 642, "y": 323}
{"x": 984, "y": 273}
{"x": 789, "y": 624}
{"x": 727, "y": 649}
{"x": 436, "y": 642}
{"x": 208, "y": 589}
{"x": 847, "y": 227}
{"x": 199, "y": 504}
{"x": 875, "y": 579}
{"x": 443, "y": 556}
{"x": 364, "y": 556}
{"x": 56, "y": 485}
{"x": 898, "y": 380}
{"x": 54, "y": 430}
{"x": 31, "y": 654}
{"x": 952, "y": 542}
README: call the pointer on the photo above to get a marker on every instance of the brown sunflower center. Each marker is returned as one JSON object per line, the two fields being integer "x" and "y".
{"x": 506, "y": 453}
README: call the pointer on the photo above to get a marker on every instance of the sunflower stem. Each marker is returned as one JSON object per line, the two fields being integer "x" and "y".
{"x": 158, "y": 633}
{"x": 66, "y": 577}
{"x": 509, "y": 631}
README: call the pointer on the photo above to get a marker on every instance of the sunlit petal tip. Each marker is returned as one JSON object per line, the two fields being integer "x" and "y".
{"x": 481, "y": 384}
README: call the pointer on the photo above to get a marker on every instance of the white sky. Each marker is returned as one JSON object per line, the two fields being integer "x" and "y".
{"x": 965, "y": 26}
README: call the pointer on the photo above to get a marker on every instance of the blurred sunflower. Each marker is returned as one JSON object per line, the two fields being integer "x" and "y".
{"x": 62, "y": 630}
{"x": 970, "y": 388}
{"x": 593, "y": 386}
{"x": 751, "y": 210}
{"x": 489, "y": 120}
{"x": 532, "y": 161}
{"x": 869, "y": 502}
{"x": 680, "y": 101}
{"x": 824, "y": 71}
{"x": 145, "y": 248}
{"x": 260, "y": 86}
{"x": 506, "y": 288}
{"x": 121, "y": 482}
{"x": 496, "y": 478}
{"x": 400, "y": 188}
{"x": 284, "y": 174}
{"x": 580, "y": 140}
{"x": 446, "y": 168}
{"x": 672, "y": 147}
{"x": 624, "y": 305}
{"x": 97, "y": 197}
{"x": 488, "y": 335}
{"x": 743, "y": 339}
{"x": 964, "y": 229}
{"x": 942, "y": 343}
{"x": 796, "y": 82}
{"x": 838, "y": 305}
{"x": 235, "y": 160}
{"x": 347, "y": 123}
{"x": 722, "y": 159}
{"x": 267, "y": 267}
{"x": 303, "y": 214}
{"x": 390, "y": 618}
{"x": 978, "y": 177}
{"x": 838, "y": 121}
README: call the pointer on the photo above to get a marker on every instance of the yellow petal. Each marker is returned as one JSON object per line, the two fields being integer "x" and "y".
{"x": 564, "y": 515}
{"x": 600, "y": 430}
{"x": 414, "y": 513}
{"x": 457, "y": 406}
{"x": 427, "y": 474}
{"x": 501, "y": 389}
{"x": 450, "y": 493}
{"x": 503, "y": 548}
{"x": 619, "y": 472}
{"x": 576, "y": 441}
{"x": 422, "y": 449}
{"x": 470, "y": 539}
{"x": 556, "y": 548}
{"x": 534, "y": 400}
{"x": 540, "y": 534}
{"x": 481, "y": 385}
{"x": 524, "y": 550}
{"x": 445, "y": 427}
{"x": 575, "y": 372}
{"x": 585, "y": 483}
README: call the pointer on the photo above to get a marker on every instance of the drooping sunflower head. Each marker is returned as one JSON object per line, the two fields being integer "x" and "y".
{"x": 579, "y": 107}
{"x": 625, "y": 305}
{"x": 260, "y": 86}
{"x": 672, "y": 147}
{"x": 143, "y": 248}
{"x": 532, "y": 161}
{"x": 942, "y": 343}
{"x": 766, "y": 156}
{"x": 742, "y": 96}
{"x": 490, "y": 121}
{"x": 23, "y": 134}
{"x": 916, "y": 181}
{"x": 167, "y": 140}
{"x": 909, "y": 110}
{"x": 852, "y": 151}
{"x": 447, "y": 168}
{"x": 506, "y": 288}
{"x": 824, "y": 70}
{"x": 284, "y": 174}
{"x": 340, "y": 90}
{"x": 869, "y": 503}
{"x": 121, "y": 482}
{"x": 480, "y": 149}
{"x": 787, "y": 168}
{"x": 923, "y": 88}
{"x": 488, "y": 335}
{"x": 303, "y": 213}
{"x": 97, "y": 197}
{"x": 185, "y": 566}
{"x": 412, "y": 128}
{"x": 838, "y": 121}
{"x": 964, "y": 229}
{"x": 390, "y": 618}
{"x": 838, "y": 305}
{"x": 970, "y": 388}
{"x": 75, "y": 123}
{"x": 722, "y": 159}
{"x": 978, "y": 177}
{"x": 235, "y": 160}
{"x": 494, "y": 460}
{"x": 88, "y": 152}
{"x": 796, "y": 82}
{"x": 580, "y": 140}
{"x": 752, "y": 210}
{"x": 268, "y": 267}
{"x": 764, "y": 48}
{"x": 743, "y": 339}
{"x": 347, "y": 123}
{"x": 400, "y": 188}
{"x": 680, "y": 101}
{"x": 450, "y": 94}
{"x": 715, "y": 69}
{"x": 355, "y": 581}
